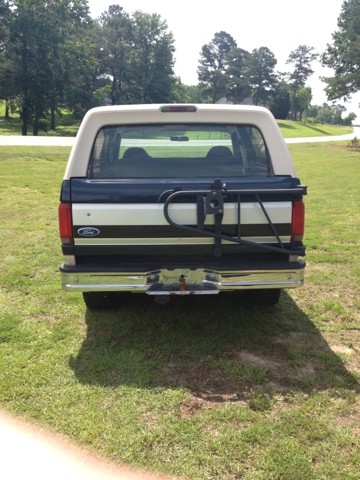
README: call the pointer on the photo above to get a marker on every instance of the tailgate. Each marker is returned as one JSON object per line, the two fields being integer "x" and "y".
{"x": 136, "y": 225}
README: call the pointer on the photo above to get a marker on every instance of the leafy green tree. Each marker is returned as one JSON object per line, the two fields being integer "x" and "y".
{"x": 194, "y": 93}
{"x": 5, "y": 64}
{"x": 82, "y": 72}
{"x": 180, "y": 92}
{"x": 301, "y": 58}
{"x": 5, "y": 19}
{"x": 263, "y": 78}
{"x": 238, "y": 75}
{"x": 332, "y": 115}
{"x": 338, "y": 110}
{"x": 152, "y": 59}
{"x": 36, "y": 53}
{"x": 114, "y": 41}
{"x": 212, "y": 65}
{"x": 343, "y": 55}
{"x": 302, "y": 102}
{"x": 313, "y": 110}
{"x": 279, "y": 100}
{"x": 325, "y": 115}
{"x": 349, "y": 119}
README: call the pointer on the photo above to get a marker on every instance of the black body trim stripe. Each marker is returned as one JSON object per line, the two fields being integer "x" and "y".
{"x": 167, "y": 231}
{"x": 148, "y": 190}
{"x": 163, "y": 249}
{"x": 232, "y": 261}
{"x": 68, "y": 249}
{"x": 220, "y": 265}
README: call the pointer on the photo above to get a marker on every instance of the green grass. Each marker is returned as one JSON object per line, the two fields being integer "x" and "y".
{"x": 292, "y": 129}
{"x": 66, "y": 125}
{"x": 204, "y": 388}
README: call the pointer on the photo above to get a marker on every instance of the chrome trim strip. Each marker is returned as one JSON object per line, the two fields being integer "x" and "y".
{"x": 187, "y": 292}
{"x": 170, "y": 241}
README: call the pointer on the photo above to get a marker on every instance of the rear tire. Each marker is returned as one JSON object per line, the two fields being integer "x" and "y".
{"x": 99, "y": 300}
{"x": 266, "y": 296}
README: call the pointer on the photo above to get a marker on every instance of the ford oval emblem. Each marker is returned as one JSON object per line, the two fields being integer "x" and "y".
{"x": 88, "y": 232}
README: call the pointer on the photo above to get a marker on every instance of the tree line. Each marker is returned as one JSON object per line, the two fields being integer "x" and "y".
{"x": 53, "y": 55}
{"x": 226, "y": 71}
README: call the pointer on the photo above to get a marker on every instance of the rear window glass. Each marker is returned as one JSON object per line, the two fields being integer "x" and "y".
{"x": 179, "y": 150}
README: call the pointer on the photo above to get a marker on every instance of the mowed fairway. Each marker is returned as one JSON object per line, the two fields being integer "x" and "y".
{"x": 204, "y": 388}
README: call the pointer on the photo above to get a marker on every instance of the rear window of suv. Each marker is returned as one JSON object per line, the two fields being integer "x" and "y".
{"x": 179, "y": 150}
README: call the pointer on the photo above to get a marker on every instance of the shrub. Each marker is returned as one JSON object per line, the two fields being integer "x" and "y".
{"x": 355, "y": 142}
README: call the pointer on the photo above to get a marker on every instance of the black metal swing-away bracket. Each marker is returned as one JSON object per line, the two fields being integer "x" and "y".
{"x": 211, "y": 202}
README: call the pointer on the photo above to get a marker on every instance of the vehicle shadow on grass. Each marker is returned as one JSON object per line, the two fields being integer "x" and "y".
{"x": 217, "y": 346}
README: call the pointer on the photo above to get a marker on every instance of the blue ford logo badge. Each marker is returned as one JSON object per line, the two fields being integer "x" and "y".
{"x": 88, "y": 231}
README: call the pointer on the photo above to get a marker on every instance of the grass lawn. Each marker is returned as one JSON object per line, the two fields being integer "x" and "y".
{"x": 207, "y": 387}
{"x": 292, "y": 129}
{"x": 67, "y": 126}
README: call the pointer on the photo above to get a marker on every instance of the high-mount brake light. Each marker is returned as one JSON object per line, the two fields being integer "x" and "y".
{"x": 178, "y": 109}
{"x": 65, "y": 224}
{"x": 298, "y": 221}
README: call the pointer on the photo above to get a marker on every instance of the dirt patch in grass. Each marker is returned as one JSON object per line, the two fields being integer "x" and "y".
{"x": 213, "y": 400}
{"x": 352, "y": 149}
{"x": 212, "y": 385}
{"x": 257, "y": 361}
{"x": 297, "y": 360}
{"x": 347, "y": 416}
{"x": 332, "y": 291}
{"x": 341, "y": 349}
{"x": 297, "y": 339}
{"x": 273, "y": 387}
{"x": 353, "y": 364}
{"x": 192, "y": 376}
{"x": 191, "y": 408}
{"x": 341, "y": 148}
{"x": 308, "y": 369}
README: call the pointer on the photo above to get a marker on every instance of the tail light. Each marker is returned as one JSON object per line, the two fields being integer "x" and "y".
{"x": 298, "y": 221}
{"x": 65, "y": 224}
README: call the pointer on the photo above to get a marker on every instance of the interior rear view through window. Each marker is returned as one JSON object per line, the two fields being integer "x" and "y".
{"x": 179, "y": 151}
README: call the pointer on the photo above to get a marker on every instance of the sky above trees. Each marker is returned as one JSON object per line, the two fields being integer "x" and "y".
{"x": 280, "y": 25}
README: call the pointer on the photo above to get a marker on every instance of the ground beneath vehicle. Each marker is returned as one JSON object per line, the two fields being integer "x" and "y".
{"x": 181, "y": 200}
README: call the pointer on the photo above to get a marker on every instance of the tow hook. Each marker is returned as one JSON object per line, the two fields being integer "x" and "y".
{"x": 182, "y": 283}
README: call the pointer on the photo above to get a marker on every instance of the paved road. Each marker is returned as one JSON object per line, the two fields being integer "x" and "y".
{"x": 69, "y": 141}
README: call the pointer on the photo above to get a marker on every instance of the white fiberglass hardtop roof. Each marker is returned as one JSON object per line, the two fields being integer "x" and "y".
{"x": 99, "y": 117}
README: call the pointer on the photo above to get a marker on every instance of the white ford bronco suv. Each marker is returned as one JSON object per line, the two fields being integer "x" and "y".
{"x": 181, "y": 200}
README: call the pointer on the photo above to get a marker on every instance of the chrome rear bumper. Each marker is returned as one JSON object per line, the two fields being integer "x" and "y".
{"x": 180, "y": 281}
